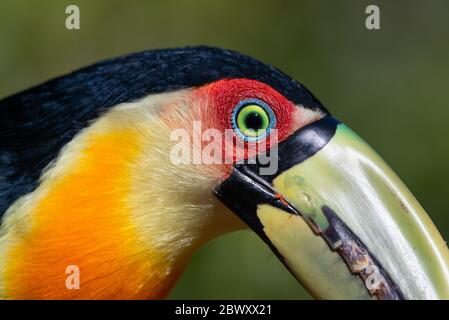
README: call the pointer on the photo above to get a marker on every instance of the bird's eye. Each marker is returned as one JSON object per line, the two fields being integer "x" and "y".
{"x": 253, "y": 119}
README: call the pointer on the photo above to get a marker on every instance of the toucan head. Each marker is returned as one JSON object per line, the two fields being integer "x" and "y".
{"x": 182, "y": 132}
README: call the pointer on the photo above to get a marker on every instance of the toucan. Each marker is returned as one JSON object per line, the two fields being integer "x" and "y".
{"x": 122, "y": 169}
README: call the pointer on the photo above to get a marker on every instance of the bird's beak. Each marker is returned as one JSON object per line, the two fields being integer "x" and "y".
{"x": 340, "y": 219}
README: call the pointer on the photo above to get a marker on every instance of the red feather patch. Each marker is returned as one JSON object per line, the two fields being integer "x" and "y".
{"x": 224, "y": 95}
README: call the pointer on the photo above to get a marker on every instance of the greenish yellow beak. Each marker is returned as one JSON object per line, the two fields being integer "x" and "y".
{"x": 340, "y": 219}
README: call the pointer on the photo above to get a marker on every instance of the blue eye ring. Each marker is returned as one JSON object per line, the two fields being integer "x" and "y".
{"x": 253, "y": 102}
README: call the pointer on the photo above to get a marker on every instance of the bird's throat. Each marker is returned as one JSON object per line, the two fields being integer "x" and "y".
{"x": 103, "y": 225}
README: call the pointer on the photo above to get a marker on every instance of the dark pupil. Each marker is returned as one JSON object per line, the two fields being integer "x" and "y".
{"x": 254, "y": 121}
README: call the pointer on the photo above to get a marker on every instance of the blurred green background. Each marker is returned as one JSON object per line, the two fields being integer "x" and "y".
{"x": 390, "y": 85}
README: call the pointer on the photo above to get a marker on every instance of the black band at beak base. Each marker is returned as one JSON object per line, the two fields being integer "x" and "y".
{"x": 245, "y": 189}
{"x": 298, "y": 147}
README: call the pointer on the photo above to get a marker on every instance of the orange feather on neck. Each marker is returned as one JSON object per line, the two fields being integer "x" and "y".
{"x": 82, "y": 222}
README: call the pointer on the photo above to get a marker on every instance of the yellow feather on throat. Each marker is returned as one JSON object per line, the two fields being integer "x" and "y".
{"x": 114, "y": 207}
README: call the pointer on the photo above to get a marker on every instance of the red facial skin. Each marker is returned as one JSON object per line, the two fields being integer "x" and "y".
{"x": 224, "y": 95}
{"x": 213, "y": 105}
